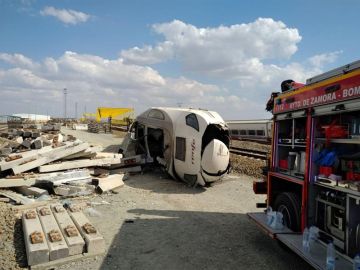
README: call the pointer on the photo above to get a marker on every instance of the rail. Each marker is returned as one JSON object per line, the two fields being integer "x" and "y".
{"x": 249, "y": 152}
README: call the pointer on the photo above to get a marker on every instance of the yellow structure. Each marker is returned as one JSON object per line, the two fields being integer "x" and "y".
{"x": 118, "y": 115}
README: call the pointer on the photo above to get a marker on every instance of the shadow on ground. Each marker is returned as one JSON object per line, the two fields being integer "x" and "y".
{"x": 160, "y": 182}
{"x": 162, "y": 239}
{"x": 114, "y": 148}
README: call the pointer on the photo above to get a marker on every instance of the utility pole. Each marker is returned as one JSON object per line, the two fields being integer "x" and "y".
{"x": 65, "y": 94}
{"x": 75, "y": 110}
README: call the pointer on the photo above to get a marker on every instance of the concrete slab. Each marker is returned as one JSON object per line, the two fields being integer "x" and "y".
{"x": 54, "y": 264}
{"x": 32, "y": 191}
{"x": 95, "y": 243}
{"x": 36, "y": 252}
{"x": 57, "y": 245}
{"x": 56, "y": 154}
{"x": 75, "y": 164}
{"x": 71, "y": 234}
{"x": 108, "y": 183}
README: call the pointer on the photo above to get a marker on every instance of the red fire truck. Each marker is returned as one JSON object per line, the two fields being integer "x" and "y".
{"x": 313, "y": 177}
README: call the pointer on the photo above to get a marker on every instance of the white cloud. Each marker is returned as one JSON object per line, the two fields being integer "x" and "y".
{"x": 67, "y": 16}
{"x": 218, "y": 50}
{"x": 93, "y": 81}
{"x": 241, "y": 62}
{"x": 324, "y": 58}
{"x": 17, "y": 59}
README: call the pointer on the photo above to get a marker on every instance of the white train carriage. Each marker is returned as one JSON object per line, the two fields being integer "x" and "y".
{"x": 193, "y": 145}
{"x": 254, "y": 130}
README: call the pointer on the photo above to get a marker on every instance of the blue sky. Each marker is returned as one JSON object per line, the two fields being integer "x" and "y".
{"x": 222, "y": 55}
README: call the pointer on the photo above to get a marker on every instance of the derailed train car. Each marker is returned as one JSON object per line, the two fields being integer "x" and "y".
{"x": 192, "y": 145}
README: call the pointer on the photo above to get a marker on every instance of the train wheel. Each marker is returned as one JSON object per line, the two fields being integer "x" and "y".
{"x": 289, "y": 205}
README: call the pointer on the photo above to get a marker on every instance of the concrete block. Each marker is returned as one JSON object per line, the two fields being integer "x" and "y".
{"x": 5, "y": 151}
{"x": 36, "y": 144}
{"x": 32, "y": 191}
{"x": 26, "y": 144}
{"x": 36, "y": 251}
{"x": 55, "y": 154}
{"x": 27, "y": 134}
{"x": 19, "y": 139}
{"x": 58, "y": 178}
{"x": 69, "y": 190}
{"x": 80, "y": 163}
{"x": 57, "y": 245}
{"x": 95, "y": 243}
{"x": 71, "y": 234}
{"x": 110, "y": 182}
{"x": 20, "y": 133}
{"x": 35, "y": 135}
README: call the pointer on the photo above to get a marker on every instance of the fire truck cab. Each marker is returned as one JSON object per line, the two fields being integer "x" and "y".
{"x": 313, "y": 177}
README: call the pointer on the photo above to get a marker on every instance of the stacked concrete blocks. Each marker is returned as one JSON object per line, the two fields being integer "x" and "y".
{"x": 71, "y": 234}
{"x": 57, "y": 246}
{"x": 95, "y": 243}
{"x": 37, "y": 249}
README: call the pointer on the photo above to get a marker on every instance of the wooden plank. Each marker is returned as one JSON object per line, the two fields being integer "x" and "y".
{"x": 36, "y": 252}
{"x": 57, "y": 248}
{"x": 110, "y": 182}
{"x": 75, "y": 164}
{"x": 95, "y": 243}
{"x": 71, "y": 234}
{"x": 56, "y": 154}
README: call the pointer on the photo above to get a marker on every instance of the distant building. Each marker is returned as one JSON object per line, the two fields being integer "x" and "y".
{"x": 33, "y": 117}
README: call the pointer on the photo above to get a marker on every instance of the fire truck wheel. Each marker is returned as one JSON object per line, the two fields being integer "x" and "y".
{"x": 289, "y": 205}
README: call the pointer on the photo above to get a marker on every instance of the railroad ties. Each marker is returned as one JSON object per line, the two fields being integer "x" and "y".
{"x": 249, "y": 152}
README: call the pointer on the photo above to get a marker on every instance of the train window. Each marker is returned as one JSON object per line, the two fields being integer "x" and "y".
{"x": 242, "y": 132}
{"x": 251, "y": 132}
{"x": 192, "y": 121}
{"x": 180, "y": 150}
{"x": 260, "y": 133}
{"x": 156, "y": 114}
{"x": 234, "y": 132}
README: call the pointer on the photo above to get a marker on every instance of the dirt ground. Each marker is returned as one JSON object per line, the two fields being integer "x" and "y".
{"x": 154, "y": 222}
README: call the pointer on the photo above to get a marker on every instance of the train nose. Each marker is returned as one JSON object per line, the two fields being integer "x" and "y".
{"x": 215, "y": 160}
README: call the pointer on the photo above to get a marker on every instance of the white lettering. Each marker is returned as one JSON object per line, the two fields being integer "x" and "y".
{"x": 353, "y": 91}
{"x": 323, "y": 98}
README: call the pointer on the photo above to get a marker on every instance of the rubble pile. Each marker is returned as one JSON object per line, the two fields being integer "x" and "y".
{"x": 40, "y": 168}
{"x": 36, "y": 163}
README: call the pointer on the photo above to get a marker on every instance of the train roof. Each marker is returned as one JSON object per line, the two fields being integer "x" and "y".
{"x": 174, "y": 113}
{"x": 256, "y": 121}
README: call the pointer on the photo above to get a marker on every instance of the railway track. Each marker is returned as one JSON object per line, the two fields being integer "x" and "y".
{"x": 248, "y": 152}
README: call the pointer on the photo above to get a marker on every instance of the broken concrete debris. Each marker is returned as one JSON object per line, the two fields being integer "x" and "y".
{"x": 58, "y": 164}
{"x": 52, "y": 233}
{"x": 108, "y": 183}
{"x": 38, "y": 167}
